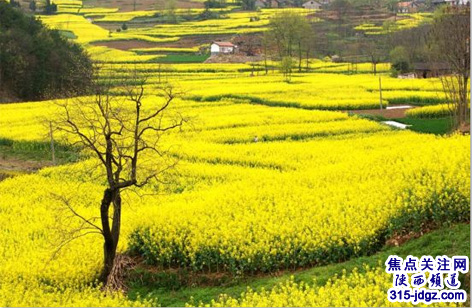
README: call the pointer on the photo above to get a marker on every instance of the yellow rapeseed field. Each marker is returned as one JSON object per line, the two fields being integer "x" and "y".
{"x": 296, "y": 197}
{"x": 271, "y": 175}
{"x": 353, "y": 290}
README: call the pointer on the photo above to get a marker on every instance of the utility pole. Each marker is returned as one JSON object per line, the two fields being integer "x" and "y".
{"x": 380, "y": 92}
{"x": 52, "y": 144}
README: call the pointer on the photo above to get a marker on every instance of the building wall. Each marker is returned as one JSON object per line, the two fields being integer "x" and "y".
{"x": 310, "y": 6}
{"x": 226, "y": 49}
{"x": 214, "y": 48}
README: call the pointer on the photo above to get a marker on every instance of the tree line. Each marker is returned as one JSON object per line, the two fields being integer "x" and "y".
{"x": 441, "y": 47}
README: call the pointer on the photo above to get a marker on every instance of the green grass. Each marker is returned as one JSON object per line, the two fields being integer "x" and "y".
{"x": 181, "y": 58}
{"x": 449, "y": 241}
{"x": 432, "y": 126}
{"x": 416, "y": 100}
{"x": 68, "y": 34}
{"x": 36, "y": 151}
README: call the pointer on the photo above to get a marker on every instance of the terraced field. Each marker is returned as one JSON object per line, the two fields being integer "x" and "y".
{"x": 270, "y": 176}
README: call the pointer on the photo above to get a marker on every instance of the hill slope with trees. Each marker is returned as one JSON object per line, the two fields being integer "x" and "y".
{"x": 36, "y": 62}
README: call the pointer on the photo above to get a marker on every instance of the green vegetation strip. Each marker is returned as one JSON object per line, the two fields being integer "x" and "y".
{"x": 431, "y": 126}
{"x": 181, "y": 58}
{"x": 168, "y": 291}
{"x": 37, "y": 151}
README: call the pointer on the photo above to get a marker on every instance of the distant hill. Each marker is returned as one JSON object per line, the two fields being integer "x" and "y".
{"x": 36, "y": 62}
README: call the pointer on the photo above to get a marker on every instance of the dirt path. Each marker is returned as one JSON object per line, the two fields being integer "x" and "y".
{"x": 16, "y": 165}
{"x": 141, "y": 5}
{"x": 183, "y": 42}
{"x": 127, "y": 45}
{"x": 396, "y": 113}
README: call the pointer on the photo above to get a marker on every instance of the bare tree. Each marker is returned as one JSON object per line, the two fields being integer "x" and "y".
{"x": 123, "y": 133}
{"x": 250, "y": 44}
{"x": 292, "y": 36}
{"x": 289, "y": 31}
{"x": 450, "y": 44}
{"x": 374, "y": 49}
{"x": 286, "y": 68}
{"x": 304, "y": 39}
{"x": 266, "y": 48}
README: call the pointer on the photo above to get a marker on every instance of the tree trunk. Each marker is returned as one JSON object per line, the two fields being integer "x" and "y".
{"x": 299, "y": 57}
{"x": 307, "y": 60}
{"x": 265, "y": 60}
{"x": 111, "y": 234}
{"x": 465, "y": 99}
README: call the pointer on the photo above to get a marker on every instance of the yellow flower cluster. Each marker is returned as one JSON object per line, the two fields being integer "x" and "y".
{"x": 313, "y": 91}
{"x": 126, "y": 16}
{"x": 340, "y": 199}
{"x": 84, "y": 29}
{"x": 435, "y": 111}
{"x": 34, "y": 293}
{"x": 368, "y": 289}
{"x": 110, "y": 55}
{"x": 115, "y": 16}
{"x": 405, "y": 21}
{"x": 34, "y": 272}
{"x": 287, "y": 200}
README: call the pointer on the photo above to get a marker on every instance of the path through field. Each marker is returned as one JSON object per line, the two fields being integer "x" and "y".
{"x": 391, "y": 112}
{"x": 22, "y": 166}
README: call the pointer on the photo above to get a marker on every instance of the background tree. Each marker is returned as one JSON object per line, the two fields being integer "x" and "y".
{"x": 375, "y": 49}
{"x": 414, "y": 41}
{"x": 400, "y": 60}
{"x": 266, "y": 49}
{"x": 50, "y": 8}
{"x": 291, "y": 34}
{"x": 123, "y": 134}
{"x": 170, "y": 14}
{"x": 286, "y": 68}
{"x": 248, "y": 5}
{"x": 250, "y": 44}
{"x": 32, "y": 6}
{"x": 450, "y": 45}
{"x": 305, "y": 38}
{"x": 14, "y": 3}
{"x": 341, "y": 9}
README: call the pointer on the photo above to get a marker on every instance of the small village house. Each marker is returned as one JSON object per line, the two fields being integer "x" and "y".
{"x": 458, "y": 2}
{"x": 407, "y": 7}
{"x": 260, "y": 4}
{"x": 267, "y": 4}
{"x": 312, "y": 5}
{"x": 222, "y": 48}
{"x": 437, "y": 3}
{"x": 430, "y": 70}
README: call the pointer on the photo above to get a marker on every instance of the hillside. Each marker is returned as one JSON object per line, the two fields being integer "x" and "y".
{"x": 38, "y": 63}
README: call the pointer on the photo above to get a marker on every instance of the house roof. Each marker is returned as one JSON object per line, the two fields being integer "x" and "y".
{"x": 311, "y": 2}
{"x": 405, "y": 4}
{"x": 423, "y": 66}
{"x": 224, "y": 44}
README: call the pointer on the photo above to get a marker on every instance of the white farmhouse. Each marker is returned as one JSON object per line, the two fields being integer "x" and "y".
{"x": 312, "y": 5}
{"x": 222, "y": 47}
